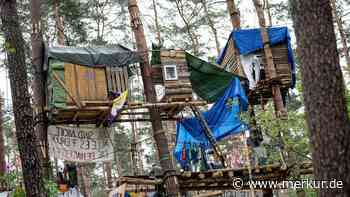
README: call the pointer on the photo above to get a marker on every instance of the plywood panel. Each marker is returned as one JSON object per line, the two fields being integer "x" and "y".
{"x": 89, "y": 83}
{"x": 101, "y": 88}
{"x": 84, "y": 78}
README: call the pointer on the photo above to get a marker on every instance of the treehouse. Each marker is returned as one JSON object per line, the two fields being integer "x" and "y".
{"x": 80, "y": 81}
{"x": 171, "y": 71}
{"x": 244, "y": 55}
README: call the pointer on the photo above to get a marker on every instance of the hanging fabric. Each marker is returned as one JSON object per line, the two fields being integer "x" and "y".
{"x": 223, "y": 119}
{"x": 251, "y": 67}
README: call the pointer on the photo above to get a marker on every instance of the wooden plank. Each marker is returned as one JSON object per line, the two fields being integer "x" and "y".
{"x": 101, "y": 84}
{"x": 76, "y": 82}
{"x": 126, "y": 77}
{"x": 122, "y": 81}
{"x": 92, "y": 84}
{"x": 117, "y": 79}
{"x": 83, "y": 74}
{"x": 113, "y": 80}
{"x": 109, "y": 79}
{"x": 75, "y": 100}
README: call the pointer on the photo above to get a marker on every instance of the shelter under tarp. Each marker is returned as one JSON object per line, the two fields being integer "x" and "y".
{"x": 117, "y": 55}
{"x": 223, "y": 119}
{"x": 208, "y": 81}
{"x": 249, "y": 40}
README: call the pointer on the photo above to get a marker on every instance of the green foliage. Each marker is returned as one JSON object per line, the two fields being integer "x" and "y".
{"x": 294, "y": 136}
{"x": 19, "y": 192}
{"x": 50, "y": 188}
{"x": 10, "y": 178}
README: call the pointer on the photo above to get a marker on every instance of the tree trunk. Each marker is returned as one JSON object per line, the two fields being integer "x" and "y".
{"x": 157, "y": 23}
{"x": 172, "y": 187}
{"x": 23, "y": 113}
{"x": 2, "y": 140}
{"x": 190, "y": 33}
{"x": 268, "y": 10}
{"x": 270, "y": 67}
{"x": 234, "y": 14}
{"x": 39, "y": 82}
{"x": 59, "y": 23}
{"x": 323, "y": 93}
{"x": 85, "y": 180}
{"x": 343, "y": 37}
{"x": 211, "y": 25}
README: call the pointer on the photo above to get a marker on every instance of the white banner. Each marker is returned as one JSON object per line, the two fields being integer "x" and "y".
{"x": 80, "y": 144}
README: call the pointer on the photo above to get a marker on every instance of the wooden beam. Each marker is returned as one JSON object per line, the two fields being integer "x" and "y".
{"x": 75, "y": 100}
{"x": 209, "y": 194}
{"x": 209, "y": 134}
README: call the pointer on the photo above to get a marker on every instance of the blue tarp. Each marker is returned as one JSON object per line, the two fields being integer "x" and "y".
{"x": 249, "y": 40}
{"x": 223, "y": 119}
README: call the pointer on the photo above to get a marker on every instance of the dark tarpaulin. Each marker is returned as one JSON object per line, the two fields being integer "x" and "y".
{"x": 208, "y": 81}
{"x": 116, "y": 55}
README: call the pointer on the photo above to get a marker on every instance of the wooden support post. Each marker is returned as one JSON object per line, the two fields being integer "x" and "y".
{"x": 270, "y": 67}
{"x": 171, "y": 183}
{"x": 209, "y": 134}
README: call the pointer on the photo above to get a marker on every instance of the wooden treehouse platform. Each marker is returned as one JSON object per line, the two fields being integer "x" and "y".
{"x": 220, "y": 179}
{"x": 83, "y": 95}
{"x": 263, "y": 92}
{"x": 93, "y": 112}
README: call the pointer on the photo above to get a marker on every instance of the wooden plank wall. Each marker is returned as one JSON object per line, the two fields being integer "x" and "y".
{"x": 280, "y": 58}
{"x": 117, "y": 78}
{"x": 85, "y": 83}
{"x": 181, "y": 89}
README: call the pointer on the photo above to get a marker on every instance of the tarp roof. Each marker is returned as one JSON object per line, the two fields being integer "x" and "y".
{"x": 116, "y": 55}
{"x": 249, "y": 40}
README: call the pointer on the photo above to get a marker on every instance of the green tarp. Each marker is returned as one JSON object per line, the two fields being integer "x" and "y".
{"x": 208, "y": 81}
{"x": 56, "y": 94}
{"x": 117, "y": 55}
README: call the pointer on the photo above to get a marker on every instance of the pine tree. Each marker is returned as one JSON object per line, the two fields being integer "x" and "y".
{"x": 324, "y": 93}
{"x": 23, "y": 113}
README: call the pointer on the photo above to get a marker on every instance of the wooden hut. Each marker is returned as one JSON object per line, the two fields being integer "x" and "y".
{"x": 173, "y": 74}
{"x": 247, "y": 41}
{"x": 81, "y": 80}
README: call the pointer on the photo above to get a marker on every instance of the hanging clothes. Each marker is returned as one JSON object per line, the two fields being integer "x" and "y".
{"x": 223, "y": 119}
{"x": 248, "y": 41}
{"x": 251, "y": 67}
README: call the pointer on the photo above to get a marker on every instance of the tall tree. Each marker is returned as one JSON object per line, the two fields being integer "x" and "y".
{"x": 211, "y": 25}
{"x": 343, "y": 37}
{"x": 23, "y": 113}
{"x": 39, "y": 97}
{"x": 188, "y": 20}
{"x": 157, "y": 22}
{"x": 324, "y": 93}
{"x": 234, "y": 14}
{"x": 158, "y": 132}
{"x": 59, "y": 22}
